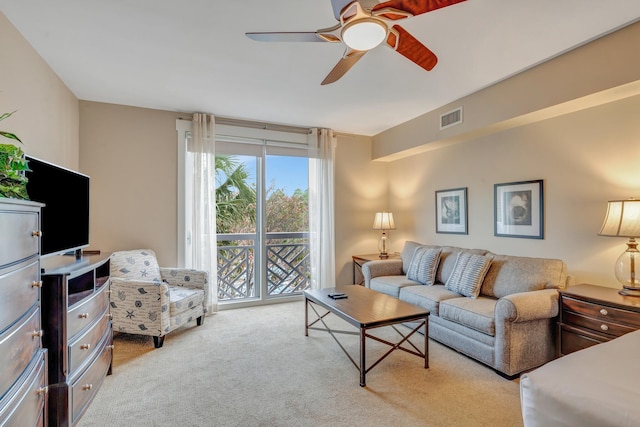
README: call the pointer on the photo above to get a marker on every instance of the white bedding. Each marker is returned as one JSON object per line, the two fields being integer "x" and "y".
{"x": 598, "y": 386}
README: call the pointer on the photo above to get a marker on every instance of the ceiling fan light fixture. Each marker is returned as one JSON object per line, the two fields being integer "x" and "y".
{"x": 364, "y": 34}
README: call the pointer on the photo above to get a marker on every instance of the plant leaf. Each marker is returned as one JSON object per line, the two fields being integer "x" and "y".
{"x": 10, "y": 136}
{"x": 6, "y": 115}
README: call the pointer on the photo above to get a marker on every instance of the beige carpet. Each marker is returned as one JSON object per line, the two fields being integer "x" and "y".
{"x": 255, "y": 367}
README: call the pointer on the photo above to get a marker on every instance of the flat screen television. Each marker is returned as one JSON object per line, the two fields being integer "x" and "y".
{"x": 65, "y": 217}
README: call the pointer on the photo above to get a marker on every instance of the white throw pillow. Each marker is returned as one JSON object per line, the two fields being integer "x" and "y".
{"x": 424, "y": 264}
{"x": 468, "y": 274}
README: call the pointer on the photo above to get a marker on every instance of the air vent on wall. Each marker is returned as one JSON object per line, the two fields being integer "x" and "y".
{"x": 451, "y": 118}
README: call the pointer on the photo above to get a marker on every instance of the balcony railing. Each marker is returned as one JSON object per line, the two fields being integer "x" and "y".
{"x": 287, "y": 265}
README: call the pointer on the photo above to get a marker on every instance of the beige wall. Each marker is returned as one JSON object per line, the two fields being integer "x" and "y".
{"x": 584, "y": 158}
{"x": 361, "y": 189}
{"x": 47, "y": 112}
{"x": 131, "y": 155}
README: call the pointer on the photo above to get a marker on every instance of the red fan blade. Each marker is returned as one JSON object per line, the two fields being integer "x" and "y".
{"x": 344, "y": 65}
{"x": 414, "y": 7}
{"x": 408, "y": 46}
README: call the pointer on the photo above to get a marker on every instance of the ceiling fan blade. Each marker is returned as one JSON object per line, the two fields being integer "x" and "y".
{"x": 338, "y": 6}
{"x": 286, "y": 37}
{"x": 414, "y": 7}
{"x": 408, "y": 46}
{"x": 344, "y": 65}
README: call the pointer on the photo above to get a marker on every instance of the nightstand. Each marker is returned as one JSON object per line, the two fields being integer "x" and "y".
{"x": 592, "y": 315}
{"x": 358, "y": 262}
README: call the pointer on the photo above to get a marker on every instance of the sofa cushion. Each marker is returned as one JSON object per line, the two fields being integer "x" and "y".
{"x": 513, "y": 274}
{"x": 407, "y": 254}
{"x": 424, "y": 264}
{"x": 391, "y": 285}
{"x": 468, "y": 274}
{"x": 476, "y": 313}
{"x": 448, "y": 258}
{"x": 428, "y": 297}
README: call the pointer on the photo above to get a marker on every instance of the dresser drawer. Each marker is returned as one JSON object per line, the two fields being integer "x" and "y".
{"x": 87, "y": 385}
{"x": 601, "y": 312}
{"x": 18, "y": 228}
{"x": 85, "y": 346}
{"x": 86, "y": 313}
{"x": 606, "y": 327}
{"x": 19, "y": 288}
{"x": 25, "y": 406}
{"x": 573, "y": 339}
{"x": 17, "y": 347}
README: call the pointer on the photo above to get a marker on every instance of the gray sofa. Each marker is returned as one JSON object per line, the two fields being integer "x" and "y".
{"x": 497, "y": 309}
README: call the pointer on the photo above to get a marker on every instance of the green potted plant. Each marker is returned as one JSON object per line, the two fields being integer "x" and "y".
{"x": 13, "y": 165}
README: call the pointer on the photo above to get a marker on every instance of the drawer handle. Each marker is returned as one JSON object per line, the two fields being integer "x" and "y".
{"x": 85, "y": 346}
{"x": 604, "y": 327}
{"x": 36, "y": 233}
{"x": 111, "y": 347}
{"x": 36, "y": 284}
{"x": 43, "y": 390}
{"x": 84, "y": 315}
{"x": 87, "y": 387}
{"x": 603, "y": 311}
{"x": 39, "y": 333}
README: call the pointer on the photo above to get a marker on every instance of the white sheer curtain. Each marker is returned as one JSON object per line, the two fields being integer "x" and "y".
{"x": 322, "y": 147}
{"x": 202, "y": 146}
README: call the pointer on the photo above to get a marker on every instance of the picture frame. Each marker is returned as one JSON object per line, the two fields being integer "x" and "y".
{"x": 452, "y": 211}
{"x": 519, "y": 209}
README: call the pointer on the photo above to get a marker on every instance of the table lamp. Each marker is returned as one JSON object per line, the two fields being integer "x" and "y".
{"x": 383, "y": 221}
{"x": 623, "y": 220}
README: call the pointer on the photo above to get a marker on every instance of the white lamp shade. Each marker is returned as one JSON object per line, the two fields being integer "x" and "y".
{"x": 622, "y": 219}
{"x": 364, "y": 34}
{"x": 384, "y": 221}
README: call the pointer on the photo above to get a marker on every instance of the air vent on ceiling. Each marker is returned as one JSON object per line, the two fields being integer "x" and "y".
{"x": 451, "y": 118}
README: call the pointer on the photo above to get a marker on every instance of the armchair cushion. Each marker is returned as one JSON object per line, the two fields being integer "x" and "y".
{"x": 138, "y": 264}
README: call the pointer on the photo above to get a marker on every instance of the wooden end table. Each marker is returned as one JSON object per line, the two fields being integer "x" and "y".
{"x": 359, "y": 260}
{"x": 591, "y": 315}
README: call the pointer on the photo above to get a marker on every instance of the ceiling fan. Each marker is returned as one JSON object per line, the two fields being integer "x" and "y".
{"x": 361, "y": 28}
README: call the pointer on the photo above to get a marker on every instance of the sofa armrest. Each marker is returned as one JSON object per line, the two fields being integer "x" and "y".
{"x": 527, "y": 306}
{"x": 388, "y": 267}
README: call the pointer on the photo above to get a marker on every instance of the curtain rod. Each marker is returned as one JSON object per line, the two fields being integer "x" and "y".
{"x": 251, "y": 124}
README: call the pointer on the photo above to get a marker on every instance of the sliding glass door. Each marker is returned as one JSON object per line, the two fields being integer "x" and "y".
{"x": 262, "y": 212}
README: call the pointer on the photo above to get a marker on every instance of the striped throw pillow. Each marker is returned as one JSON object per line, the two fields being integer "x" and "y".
{"x": 424, "y": 264}
{"x": 468, "y": 274}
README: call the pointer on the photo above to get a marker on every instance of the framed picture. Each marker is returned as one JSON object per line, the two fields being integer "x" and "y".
{"x": 451, "y": 211}
{"x": 518, "y": 209}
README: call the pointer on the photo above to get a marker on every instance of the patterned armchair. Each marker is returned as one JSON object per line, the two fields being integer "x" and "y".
{"x": 149, "y": 300}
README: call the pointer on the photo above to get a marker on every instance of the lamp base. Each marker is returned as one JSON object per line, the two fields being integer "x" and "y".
{"x": 384, "y": 255}
{"x": 630, "y": 291}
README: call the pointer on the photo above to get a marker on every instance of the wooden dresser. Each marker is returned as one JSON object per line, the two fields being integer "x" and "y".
{"x": 23, "y": 360}
{"x": 78, "y": 333}
{"x": 592, "y": 315}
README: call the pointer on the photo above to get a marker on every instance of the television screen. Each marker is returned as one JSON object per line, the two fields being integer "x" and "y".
{"x": 65, "y": 218}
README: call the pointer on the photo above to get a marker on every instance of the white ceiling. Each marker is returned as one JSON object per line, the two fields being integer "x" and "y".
{"x": 193, "y": 55}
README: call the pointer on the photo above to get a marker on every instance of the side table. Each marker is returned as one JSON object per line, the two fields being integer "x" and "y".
{"x": 591, "y": 315}
{"x": 358, "y": 262}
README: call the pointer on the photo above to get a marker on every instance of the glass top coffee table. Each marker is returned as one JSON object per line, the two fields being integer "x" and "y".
{"x": 366, "y": 309}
